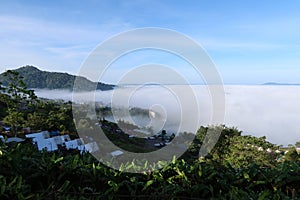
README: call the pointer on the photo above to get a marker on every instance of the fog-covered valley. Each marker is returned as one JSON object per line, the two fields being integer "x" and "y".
{"x": 258, "y": 110}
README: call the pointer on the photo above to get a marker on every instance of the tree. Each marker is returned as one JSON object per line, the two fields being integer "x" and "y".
{"x": 231, "y": 147}
{"x": 36, "y": 121}
{"x": 17, "y": 90}
{"x": 292, "y": 155}
{"x": 297, "y": 144}
{"x": 217, "y": 139}
{"x": 15, "y": 119}
{"x": 18, "y": 98}
{"x": 247, "y": 150}
{"x": 61, "y": 118}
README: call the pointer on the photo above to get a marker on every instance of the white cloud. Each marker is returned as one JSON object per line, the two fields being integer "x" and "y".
{"x": 271, "y": 111}
{"x": 265, "y": 110}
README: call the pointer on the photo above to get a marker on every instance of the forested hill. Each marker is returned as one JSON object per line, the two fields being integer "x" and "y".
{"x": 35, "y": 78}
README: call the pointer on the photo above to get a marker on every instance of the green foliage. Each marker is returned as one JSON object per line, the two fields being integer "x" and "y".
{"x": 17, "y": 91}
{"x": 17, "y": 98}
{"x": 232, "y": 147}
{"x": 246, "y": 150}
{"x": 15, "y": 119}
{"x": 29, "y": 174}
{"x": 21, "y": 108}
{"x": 292, "y": 155}
{"x": 50, "y": 115}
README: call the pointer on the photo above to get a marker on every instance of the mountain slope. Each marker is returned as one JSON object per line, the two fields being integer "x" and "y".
{"x": 35, "y": 78}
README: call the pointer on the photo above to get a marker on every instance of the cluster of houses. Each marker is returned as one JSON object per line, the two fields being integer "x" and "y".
{"x": 269, "y": 150}
{"x": 43, "y": 141}
{"x": 48, "y": 141}
{"x": 53, "y": 141}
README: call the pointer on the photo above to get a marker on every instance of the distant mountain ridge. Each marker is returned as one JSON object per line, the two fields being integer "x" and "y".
{"x": 35, "y": 78}
{"x": 274, "y": 83}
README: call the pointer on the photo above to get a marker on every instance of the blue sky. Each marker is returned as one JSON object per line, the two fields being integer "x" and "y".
{"x": 250, "y": 42}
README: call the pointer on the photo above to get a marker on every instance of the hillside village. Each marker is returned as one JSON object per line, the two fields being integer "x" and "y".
{"x": 42, "y": 153}
{"x": 54, "y": 141}
{"x": 23, "y": 112}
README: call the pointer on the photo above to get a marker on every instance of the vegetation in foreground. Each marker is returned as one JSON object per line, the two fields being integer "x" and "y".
{"x": 27, "y": 173}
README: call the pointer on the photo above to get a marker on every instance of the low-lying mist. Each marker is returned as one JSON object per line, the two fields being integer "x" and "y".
{"x": 271, "y": 111}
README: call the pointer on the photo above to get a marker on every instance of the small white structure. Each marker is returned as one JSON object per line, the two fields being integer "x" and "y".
{"x": 39, "y": 138}
{"x": 14, "y": 139}
{"x": 98, "y": 124}
{"x": 90, "y": 147}
{"x": 118, "y": 131}
{"x": 286, "y": 151}
{"x": 152, "y": 114}
{"x": 81, "y": 148}
{"x": 60, "y": 140}
{"x": 43, "y": 134}
{"x": 65, "y": 138}
{"x": 7, "y": 129}
{"x": 260, "y": 149}
{"x": 116, "y": 153}
{"x": 159, "y": 144}
{"x": 73, "y": 144}
{"x": 48, "y": 144}
{"x": 269, "y": 150}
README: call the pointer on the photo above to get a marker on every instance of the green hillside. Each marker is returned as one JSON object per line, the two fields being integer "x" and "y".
{"x": 35, "y": 78}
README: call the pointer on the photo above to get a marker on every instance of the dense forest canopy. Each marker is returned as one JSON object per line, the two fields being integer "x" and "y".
{"x": 35, "y": 78}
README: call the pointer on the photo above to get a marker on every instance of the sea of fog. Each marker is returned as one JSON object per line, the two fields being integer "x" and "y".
{"x": 259, "y": 110}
